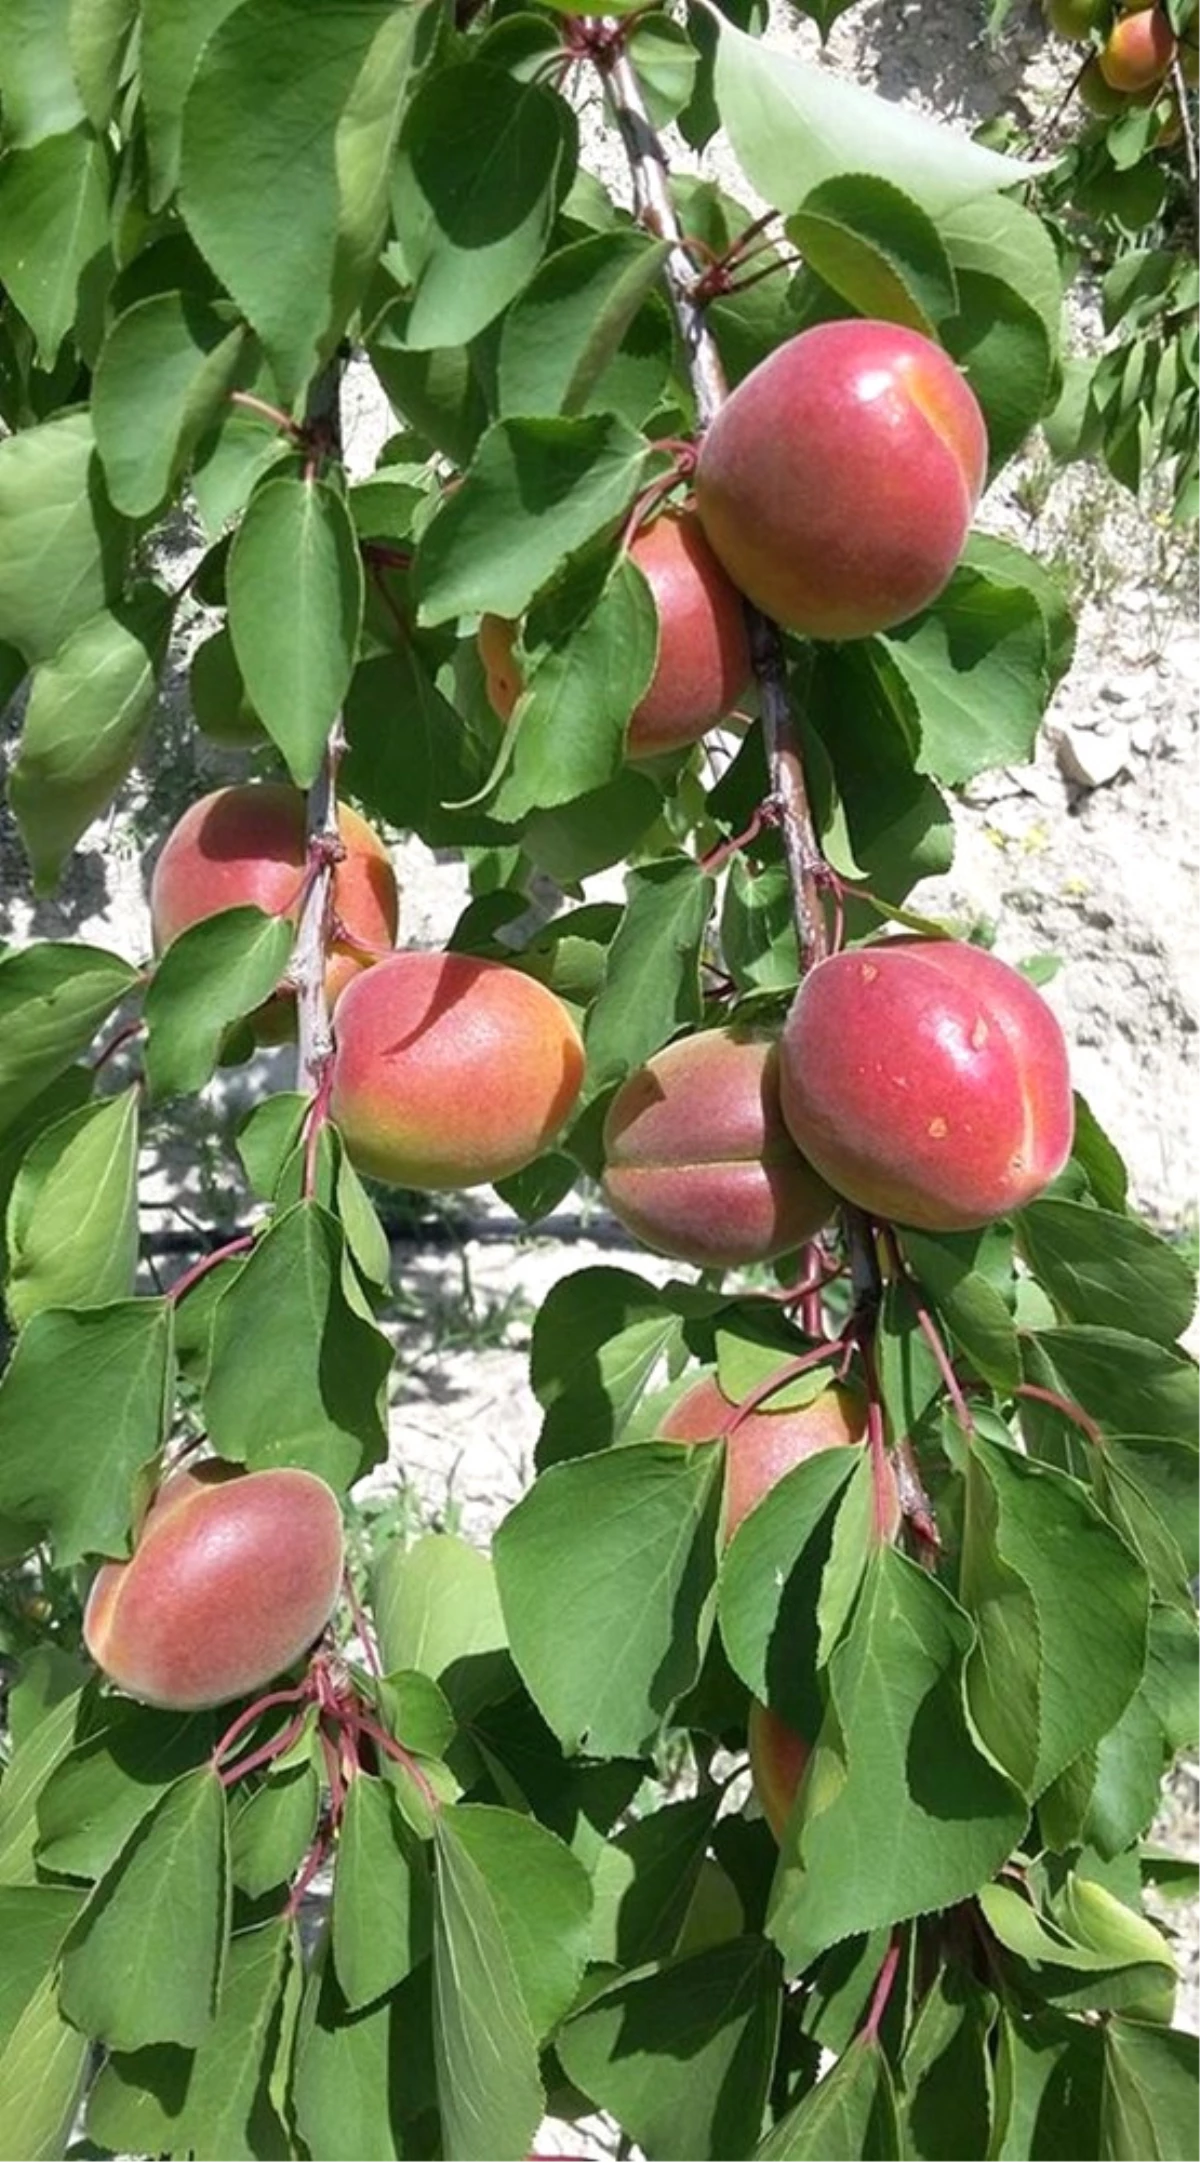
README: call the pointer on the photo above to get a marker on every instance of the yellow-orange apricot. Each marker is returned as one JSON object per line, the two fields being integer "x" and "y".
{"x": 450, "y": 1071}
{"x": 1138, "y": 51}
{"x": 778, "y": 1761}
{"x": 763, "y": 1446}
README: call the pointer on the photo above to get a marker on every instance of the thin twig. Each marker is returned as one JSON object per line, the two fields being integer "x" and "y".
{"x": 1179, "y": 86}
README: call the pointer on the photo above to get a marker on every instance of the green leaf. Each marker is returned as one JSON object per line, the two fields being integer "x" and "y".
{"x": 485, "y": 2050}
{"x": 414, "y": 759}
{"x": 793, "y": 126}
{"x": 100, "y": 34}
{"x": 1148, "y": 1487}
{"x": 62, "y": 546}
{"x": 1048, "y": 2082}
{"x": 758, "y": 933}
{"x": 53, "y": 221}
{"x": 597, "y": 1339}
{"x": 975, "y": 666}
{"x": 946, "y": 2072}
{"x": 44, "y": 1713}
{"x": 436, "y": 1609}
{"x": 1002, "y": 345}
{"x": 279, "y": 116}
{"x": 354, "y": 2072}
{"x": 899, "y": 1812}
{"x": 633, "y": 1532}
{"x": 652, "y": 983}
{"x": 87, "y": 712}
{"x": 952, "y": 1269}
{"x": 1108, "y": 1268}
{"x": 297, "y": 1376}
{"x": 43, "y": 2061}
{"x": 271, "y": 1829}
{"x": 213, "y": 2102}
{"x": 382, "y": 1900}
{"x": 83, "y": 1410}
{"x": 161, "y": 380}
{"x": 535, "y": 491}
{"x": 1101, "y": 1161}
{"x": 96, "y": 1797}
{"x": 682, "y": 2056}
{"x": 644, "y": 1880}
{"x": 52, "y": 1001}
{"x": 1128, "y": 1386}
{"x": 561, "y": 334}
{"x": 1001, "y": 239}
{"x": 72, "y": 1215}
{"x": 770, "y": 1585}
{"x": 877, "y": 248}
{"x": 895, "y": 822}
{"x": 484, "y": 161}
{"x": 849, "y": 2114}
{"x": 1004, "y": 564}
{"x": 34, "y": 1919}
{"x": 295, "y": 584}
{"x": 540, "y": 1896}
{"x": 174, "y": 33}
{"x": 36, "y": 80}
{"x": 1061, "y": 1609}
{"x": 1092, "y": 1951}
{"x": 1148, "y": 2113}
{"x": 127, "y": 1984}
{"x": 213, "y": 973}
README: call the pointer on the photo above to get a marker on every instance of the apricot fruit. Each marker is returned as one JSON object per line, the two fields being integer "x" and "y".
{"x": 246, "y": 847}
{"x": 450, "y": 1071}
{"x": 928, "y": 1082}
{"x": 839, "y": 480}
{"x": 1098, "y": 95}
{"x": 703, "y": 663}
{"x": 778, "y": 1761}
{"x": 766, "y": 1444}
{"x": 233, "y": 1575}
{"x": 1138, "y": 50}
{"x": 698, "y": 1162}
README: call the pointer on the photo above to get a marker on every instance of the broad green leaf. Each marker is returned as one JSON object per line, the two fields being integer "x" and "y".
{"x": 297, "y": 1376}
{"x": 578, "y": 838}
{"x": 909, "y": 1375}
{"x": 899, "y": 1812}
{"x": 483, "y": 162}
{"x": 1148, "y": 1488}
{"x": 568, "y": 733}
{"x": 633, "y": 1530}
{"x": 437, "y": 1610}
{"x": 271, "y": 1829}
{"x": 975, "y": 666}
{"x": 953, "y": 1271}
{"x": 100, "y": 34}
{"x": 1108, "y": 1268}
{"x": 892, "y": 820}
{"x": 43, "y": 2061}
{"x": 597, "y": 1339}
{"x": 752, "y": 1345}
{"x": 354, "y": 2073}
{"x": 174, "y": 33}
{"x": 644, "y": 1879}
{"x": 849, "y": 2114}
{"x": 1002, "y": 239}
{"x": 72, "y": 1215}
{"x": 45, "y": 1714}
{"x": 485, "y": 2050}
{"x": 53, "y": 221}
{"x": 126, "y": 1983}
{"x": 213, "y": 2102}
{"x": 62, "y": 546}
{"x": 1101, "y": 1160}
{"x": 270, "y": 154}
{"x": 1049, "y": 2073}
{"x": 770, "y": 1583}
{"x": 878, "y": 249}
{"x": 534, "y": 492}
{"x": 541, "y": 1898}
{"x": 1003, "y": 348}
{"x": 215, "y": 972}
{"x": 382, "y": 1901}
{"x": 438, "y": 394}
{"x": 1128, "y": 1386}
{"x": 83, "y": 1409}
{"x": 561, "y": 334}
{"x": 412, "y": 757}
{"x": 295, "y": 585}
{"x": 52, "y": 1000}
{"x": 34, "y": 1919}
{"x": 161, "y": 380}
{"x": 682, "y": 2056}
{"x": 97, "y": 1796}
{"x": 793, "y": 126}
{"x": 1148, "y": 2111}
{"x": 946, "y": 2071}
{"x": 36, "y": 80}
{"x": 88, "y": 708}
{"x": 1060, "y": 1607}
{"x": 1093, "y": 1951}
{"x": 1004, "y": 564}
{"x": 652, "y": 983}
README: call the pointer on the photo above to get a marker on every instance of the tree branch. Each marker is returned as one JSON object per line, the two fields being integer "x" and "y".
{"x": 307, "y": 969}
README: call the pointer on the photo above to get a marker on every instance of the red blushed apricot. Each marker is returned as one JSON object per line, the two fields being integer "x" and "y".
{"x": 1139, "y": 50}
{"x": 766, "y": 1444}
{"x": 703, "y": 663}
{"x": 928, "y": 1082}
{"x": 233, "y": 1576}
{"x": 246, "y": 847}
{"x": 450, "y": 1071}
{"x": 698, "y": 1162}
{"x": 839, "y": 480}
{"x": 778, "y": 1761}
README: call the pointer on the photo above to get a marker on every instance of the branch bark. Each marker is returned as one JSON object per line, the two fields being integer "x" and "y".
{"x": 307, "y": 970}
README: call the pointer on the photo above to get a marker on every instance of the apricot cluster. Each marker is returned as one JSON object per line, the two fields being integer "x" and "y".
{"x": 1134, "y": 46}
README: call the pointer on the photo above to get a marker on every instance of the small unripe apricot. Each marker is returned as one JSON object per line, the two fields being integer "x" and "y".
{"x": 767, "y": 1444}
{"x": 928, "y": 1082}
{"x": 703, "y": 663}
{"x": 1139, "y": 50}
{"x": 838, "y": 482}
{"x": 698, "y": 1163}
{"x": 451, "y": 1071}
{"x": 778, "y": 1761}
{"x": 1077, "y": 18}
{"x": 246, "y": 847}
{"x": 233, "y": 1576}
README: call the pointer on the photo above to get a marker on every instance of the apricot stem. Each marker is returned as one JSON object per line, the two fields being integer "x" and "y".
{"x": 915, "y": 1505}
{"x": 362, "y": 1627}
{"x": 399, "y": 1755}
{"x": 254, "y": 1711}
{"x": 1066, "y": 1405}
{"x": 190, "y": 1277}
{"x": 876, "y": 1438}
{"x": 930, "y": 1331}
{"x": 267, "y": 1753}
{"x": 310, "y": 952}
{"x": 274, "y": 413}
{"x": 815, "y": 1356}
{"x": 766, "y": 814}
{"x": 315, "y": 1118}
{"x": 882, "y": 1991}
{"x": 123, "y": 1035}
{"x": 312, "y": 1863}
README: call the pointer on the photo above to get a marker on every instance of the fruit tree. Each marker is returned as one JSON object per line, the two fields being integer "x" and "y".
{"x": 779, "y": 1785}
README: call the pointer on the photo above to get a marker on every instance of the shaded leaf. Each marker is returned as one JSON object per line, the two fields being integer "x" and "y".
{"x": 489, "y": 2092}
{"x": 161, "y": 380}
{"x": 63, "y": 547}
{"x": 382, "y": 1903}
{"x": 295, "y": 584}
{"x": 53, "y": 220}
{"x": 72, "y": 1215}
{"x": 215, "y": 972}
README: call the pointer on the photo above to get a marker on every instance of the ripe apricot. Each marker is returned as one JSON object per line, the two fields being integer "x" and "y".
{"x": 778, "y": 1761}
{"x": 698, "y": 1162}
{"x": 246, "y": 846}
{"x": 928, "y": 1082}
{"x": 703, "y": 663}
{"x": 766, "y": 1444}
{"x": 451, "y": 1071}
{"x": 233, "y": 1576}
{"x": 1138, "y": 51}
{"x": 837, "y": 483}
